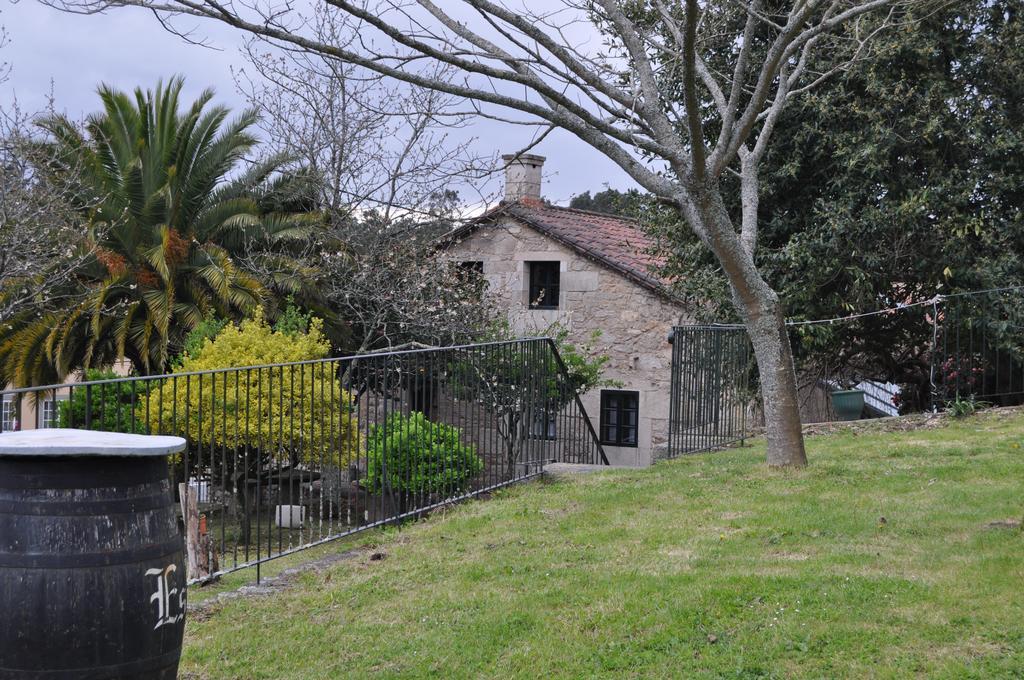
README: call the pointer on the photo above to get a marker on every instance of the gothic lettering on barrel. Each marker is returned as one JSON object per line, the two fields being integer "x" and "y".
{"x": 170, "y": 601}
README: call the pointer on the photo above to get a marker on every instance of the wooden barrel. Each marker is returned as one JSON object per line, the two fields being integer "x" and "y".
{"x": 92, "y": 577}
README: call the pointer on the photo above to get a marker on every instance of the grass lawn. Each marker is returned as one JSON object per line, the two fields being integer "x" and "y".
{"x": 876, "y": 561}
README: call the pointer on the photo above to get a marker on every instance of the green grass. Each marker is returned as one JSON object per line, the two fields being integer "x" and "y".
{"x": 709, "y": 566}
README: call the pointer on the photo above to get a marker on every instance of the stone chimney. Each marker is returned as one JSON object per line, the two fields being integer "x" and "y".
{"x": 522, "y": 177}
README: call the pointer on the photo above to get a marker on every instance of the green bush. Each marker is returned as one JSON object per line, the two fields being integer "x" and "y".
{"x": 208, "y": 329}
{"x": 110, "y": 407}
{"x": 419, "y": 456}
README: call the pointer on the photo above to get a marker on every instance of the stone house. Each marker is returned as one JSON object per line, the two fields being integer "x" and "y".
{"x": 586, "y": 271}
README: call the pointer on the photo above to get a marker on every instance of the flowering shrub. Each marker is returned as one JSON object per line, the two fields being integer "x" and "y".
{"x": 961, "y": 374}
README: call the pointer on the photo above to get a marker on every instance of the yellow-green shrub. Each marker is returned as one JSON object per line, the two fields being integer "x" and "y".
{"x": 291, "y": 413}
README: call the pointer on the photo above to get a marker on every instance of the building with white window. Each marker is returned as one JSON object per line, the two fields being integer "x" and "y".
{"x": 42, "y": 410}
{"x": 587, "y": 271}
{"x": 31, "y": 412}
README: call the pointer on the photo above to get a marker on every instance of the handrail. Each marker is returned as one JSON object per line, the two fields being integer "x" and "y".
{"x": 579, "y": 403}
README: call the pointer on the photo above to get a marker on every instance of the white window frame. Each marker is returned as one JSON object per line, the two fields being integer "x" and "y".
{"x": 50, "y": 405}
{"x": 7, "y": 415}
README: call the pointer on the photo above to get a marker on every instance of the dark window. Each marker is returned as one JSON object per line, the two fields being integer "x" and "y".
{"x": 472, "y": 267}
{"x": 471, "y": 272}
{"x": 543, "y": 285}
{"x": 542, "y": 424}
{"x": 620, "y": 411}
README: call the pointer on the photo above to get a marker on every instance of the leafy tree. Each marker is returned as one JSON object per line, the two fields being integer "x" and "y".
{"x": 862, "y": 213}
{"x": 414, "y": 456}
{"x": 106, "y": 407}
{"x": 608, "y": 201}
{"x": 899, "y": 178}
{"x": 165, "y": 220}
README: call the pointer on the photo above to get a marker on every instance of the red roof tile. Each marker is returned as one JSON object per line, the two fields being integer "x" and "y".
{"x": 616, "y": 242}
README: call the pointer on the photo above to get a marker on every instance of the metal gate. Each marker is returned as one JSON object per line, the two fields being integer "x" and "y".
{"x": 709, "y": 398}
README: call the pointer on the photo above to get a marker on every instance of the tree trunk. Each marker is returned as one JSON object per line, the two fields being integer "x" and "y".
{"x": 783, "y": 429}
{"x": 762, "y": 314}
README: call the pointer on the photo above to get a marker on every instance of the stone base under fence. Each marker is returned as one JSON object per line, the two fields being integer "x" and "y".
{"x": 567, "y": 469}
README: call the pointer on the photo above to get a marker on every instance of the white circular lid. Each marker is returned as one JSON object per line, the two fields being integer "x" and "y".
{"x": 69, "y": 442}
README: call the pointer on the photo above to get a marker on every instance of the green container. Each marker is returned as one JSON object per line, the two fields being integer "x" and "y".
{"x": 848, "y": 404}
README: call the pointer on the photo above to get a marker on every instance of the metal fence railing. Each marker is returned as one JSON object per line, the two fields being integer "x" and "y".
{"x": 283, "y": 457}
{"x": 914, "y": 357}
{"x": 709, "y": 388}
{"x": 979, "y": 348}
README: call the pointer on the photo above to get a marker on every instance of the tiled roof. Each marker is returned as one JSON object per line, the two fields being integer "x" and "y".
{"x": 615, "y": 242}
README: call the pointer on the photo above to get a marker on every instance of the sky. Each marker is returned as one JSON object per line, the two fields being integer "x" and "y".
{"x": 72, "y": 54}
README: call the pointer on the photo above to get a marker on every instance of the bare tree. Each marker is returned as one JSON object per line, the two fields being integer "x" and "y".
{"x": 676, "y": 92}
{"x": 370, "y": 143}
{"x": 380, "y": 165}
{"x": 42, "y": 242}
{"x": 394, "y": 292}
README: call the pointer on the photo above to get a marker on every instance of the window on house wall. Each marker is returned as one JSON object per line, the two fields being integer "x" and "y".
{"x": 48, "y": 414}
{"x": 472, "y": 267}
{"x": 620, "y": 411}
{"x": 544, "y": 285}
{"x": 472, "y": 271}
{"x": 542, "y": 423}
{"x": 6, "y": 415}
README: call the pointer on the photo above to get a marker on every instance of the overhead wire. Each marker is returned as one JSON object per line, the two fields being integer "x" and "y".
{"x": 933, "y": 302}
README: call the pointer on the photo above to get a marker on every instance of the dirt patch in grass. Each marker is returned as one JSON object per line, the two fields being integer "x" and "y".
{"x": 916, "y": 421}
{"x": 791, "y": 556}
{"x": 202, "y": 611}
{"x": 1004, "y": 524}
{"x": 554, "y": 513}
{"x": 921, "y": 421}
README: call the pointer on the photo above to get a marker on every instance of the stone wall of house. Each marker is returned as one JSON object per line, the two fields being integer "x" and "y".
{"x": 634, "y": 321}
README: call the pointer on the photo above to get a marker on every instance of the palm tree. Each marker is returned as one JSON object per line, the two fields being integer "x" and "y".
{"x": 165, "y": 221}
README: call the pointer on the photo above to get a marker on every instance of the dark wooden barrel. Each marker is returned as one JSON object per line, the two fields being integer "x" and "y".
{"x": 92, "y": 576}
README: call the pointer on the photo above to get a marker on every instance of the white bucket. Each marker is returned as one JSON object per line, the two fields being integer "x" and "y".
{"x": 290, "y": 516}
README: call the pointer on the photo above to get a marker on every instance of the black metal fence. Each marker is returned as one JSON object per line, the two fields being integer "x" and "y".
{"x": 979, "y": 348}
{"x": 919, "y": 356}
{"x": 283, "y": 457}
{"x": 709, "y": 387}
